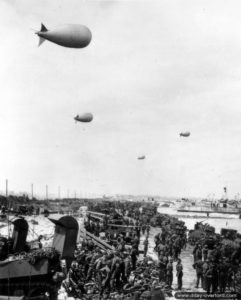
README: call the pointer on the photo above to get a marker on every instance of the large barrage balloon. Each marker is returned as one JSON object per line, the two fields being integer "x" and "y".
{"x": 141, "y": 157}
{"x": 72, "y": 35}
{"x": 87, "y": 117}
{"x": 185, "y": 134}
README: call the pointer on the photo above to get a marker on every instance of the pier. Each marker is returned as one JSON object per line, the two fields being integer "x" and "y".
{"x": 189, "y": 273}
{"x": 214, "y": 210}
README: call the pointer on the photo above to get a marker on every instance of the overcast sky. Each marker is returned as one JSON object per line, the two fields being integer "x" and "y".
{"x": 152, "y": 70}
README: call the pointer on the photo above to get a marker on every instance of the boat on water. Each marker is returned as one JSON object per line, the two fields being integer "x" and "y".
{"x": 212, "y": 207}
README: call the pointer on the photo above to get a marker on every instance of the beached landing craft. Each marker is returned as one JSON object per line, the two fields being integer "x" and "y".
{"x": 71, "y": 35}
{"x": 29, "y": 271}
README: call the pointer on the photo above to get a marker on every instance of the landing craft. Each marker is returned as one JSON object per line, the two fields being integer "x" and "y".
{"x": 87, "y": 117}
{"x": 141, "y": 157}
{"x": 72, "y": 35}
{"x": 185, "y": 134}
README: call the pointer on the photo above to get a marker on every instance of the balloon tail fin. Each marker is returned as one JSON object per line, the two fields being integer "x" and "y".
{"x": 41, "y": 40}
{"x": 43, "y": 28}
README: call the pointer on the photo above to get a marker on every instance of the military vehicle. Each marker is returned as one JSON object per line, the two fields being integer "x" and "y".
{"x": 36, "y": 273}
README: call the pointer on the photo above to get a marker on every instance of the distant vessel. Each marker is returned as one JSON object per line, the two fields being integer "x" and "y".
{"x": 211, "y": 210}
{"x": 207, "y": 206}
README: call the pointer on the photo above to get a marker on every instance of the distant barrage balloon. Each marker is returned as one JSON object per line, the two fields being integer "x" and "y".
{"x": 71, "y": 35}
{"x": 185, "y": 134}
{"x": 87, "y": 117}
{"x": 141, "y": 157}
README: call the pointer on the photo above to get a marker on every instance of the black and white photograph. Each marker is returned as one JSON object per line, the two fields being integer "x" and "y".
{"x": 120, "y": 149}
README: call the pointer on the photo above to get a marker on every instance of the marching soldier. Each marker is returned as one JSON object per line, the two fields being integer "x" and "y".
{"x": 145, "y": 243}
{"x": 179, "y": 269}
{"x": 198, "y": 265}
{"x": 170, "y": 272}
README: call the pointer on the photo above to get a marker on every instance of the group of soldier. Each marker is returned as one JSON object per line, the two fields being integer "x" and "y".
{"x": 122, "y": 267}
{"x": 111, "y": 270}
{"x": 216, "y": 268}
{"x": 169, "y": 243}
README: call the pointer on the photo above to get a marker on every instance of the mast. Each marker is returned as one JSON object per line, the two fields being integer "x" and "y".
{"x": 7, "y": 188}
{"x": 8, "y": 233}
{"x": 32, "y": 191}
{"x": 7, "y": 200}
{"x": 59, "y": 196}
{"x": 225, "y": 193}
{"x": 59, "y": 192}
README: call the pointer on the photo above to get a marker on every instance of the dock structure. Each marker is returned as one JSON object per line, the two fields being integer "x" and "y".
{"x": 189, "y": 273}
{"x": 214, "y": 210}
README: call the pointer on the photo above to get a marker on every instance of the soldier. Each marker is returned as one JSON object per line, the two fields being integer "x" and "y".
{"x": 90, "y": 245}
{"x": 115, "y": 271}
{"x": 163, "y": 235}
{"x": 215, "y": 278}
{"x": 120, "y": 243}
{"x": 84, "y": 244}
{"x": 169, "y": 272}
{"x": 237, "y": 281}
{"x": 205, "y": 268}
{"x": 148, "y": 227}
{"x": 122, "y": 268}
{"x": 136, "y": 242}
{"x": 127, "y": 264}
{"x": 184, "y": 241}
{"x": 143, "y": 228}
{"x": 194, "y": 252}
{"x": 198, "y": 265}
{"x": 4, "y": 248}
{"x": 179, "y": 270}
{"x": 176, "y": 248}
{"x": 146, "y": 295}
{"x": 222, "y": 271}
{"x": 134, "y": 254}
{"x": 229, "y": 274}
{"x": 209, "y": 278}
{"x": 39, "y": 242}
{"x": 105, "y": 274}
{"x": 162, "y": 269}
{"x": 74, "y": 277}
{"x": 159, "y": 248}
{"x": 92, "y": 263}
{"x": 145, "y": 243}
{"x": 205, "y": 252}
{"x": 198, "y": 253}
{"x": 138, "y": 231}
{"x": 156, "y": 240}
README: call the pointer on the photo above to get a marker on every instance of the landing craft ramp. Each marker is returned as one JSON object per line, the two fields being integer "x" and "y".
{"x": 97, "y": 215}
{"x": 97, "y": 241}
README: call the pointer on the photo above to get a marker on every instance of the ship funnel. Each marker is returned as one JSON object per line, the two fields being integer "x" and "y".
{"x": 20, "y": 232}
{"x": 65, "y": 237}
